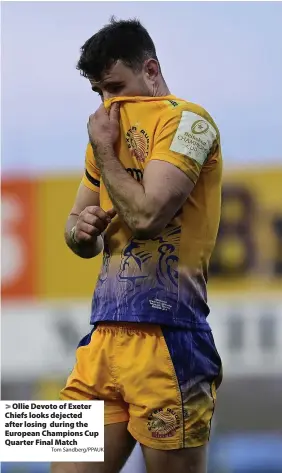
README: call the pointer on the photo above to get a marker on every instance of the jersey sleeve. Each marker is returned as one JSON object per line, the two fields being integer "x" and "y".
{"x": 91, "y": 177}
{"x": 186, "y": 140}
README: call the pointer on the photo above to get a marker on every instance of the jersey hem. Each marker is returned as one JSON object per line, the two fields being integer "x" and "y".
{"x": 175, "y": 323}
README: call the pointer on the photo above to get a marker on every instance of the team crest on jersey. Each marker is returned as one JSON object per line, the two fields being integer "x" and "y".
{"x": 163, "y": 423}
{"x": 138, "y": 143}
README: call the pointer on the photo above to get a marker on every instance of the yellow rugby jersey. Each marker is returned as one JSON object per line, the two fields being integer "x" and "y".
{"x": 161, "y": 280}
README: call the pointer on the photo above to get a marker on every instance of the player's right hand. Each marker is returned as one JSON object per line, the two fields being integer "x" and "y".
{"x": 91, "y": 222}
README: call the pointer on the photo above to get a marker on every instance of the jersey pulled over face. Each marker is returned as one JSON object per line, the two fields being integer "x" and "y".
{"x": 161, "y": 280}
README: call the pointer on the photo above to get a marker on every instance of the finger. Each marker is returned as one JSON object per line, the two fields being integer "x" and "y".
{"x": 102, "y": 110}
{"x": 111, "y": 213}
{"x": 95, "y": 222}
{"x": 114, "y": 112}
{"x": 90, "y": 219}
{"x": 82, "y": 236}
{"x": 97, "y": 211}
{"x": 92, "y": 230}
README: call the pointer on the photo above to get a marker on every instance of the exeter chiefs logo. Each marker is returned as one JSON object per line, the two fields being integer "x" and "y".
{"x": 163, "y": 423}
{"x": 138, "y": 143}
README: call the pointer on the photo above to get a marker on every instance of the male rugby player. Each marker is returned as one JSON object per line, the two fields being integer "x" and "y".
{"x": 150, "y": 199}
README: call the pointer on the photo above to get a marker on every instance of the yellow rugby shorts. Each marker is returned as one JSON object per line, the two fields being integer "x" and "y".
{"x": 161, "y": 380}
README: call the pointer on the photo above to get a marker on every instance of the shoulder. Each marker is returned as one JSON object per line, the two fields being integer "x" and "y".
{"x": 179, "y": 111}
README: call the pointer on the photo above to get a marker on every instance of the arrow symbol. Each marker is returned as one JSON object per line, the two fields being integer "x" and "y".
{"x": 7, "y": 406}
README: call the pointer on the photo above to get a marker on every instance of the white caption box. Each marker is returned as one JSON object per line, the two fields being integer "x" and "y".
{"x": 47, "y": 431}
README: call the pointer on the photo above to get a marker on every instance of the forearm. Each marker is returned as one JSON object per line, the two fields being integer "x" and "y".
{"x": 127, "y": 195}
{"x": 83, "y": 249}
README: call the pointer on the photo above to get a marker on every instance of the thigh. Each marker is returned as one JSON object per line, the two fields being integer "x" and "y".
{"x": 173, "y": 396}
{"x": 118, "y": 446}
{"x": 92, "y": 376}
{"x": 186, "y": 460}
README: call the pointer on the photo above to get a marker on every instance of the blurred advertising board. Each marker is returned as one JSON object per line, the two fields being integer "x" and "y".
{"x": 37, "y": 264}
{"x": 248, "y": 253}
{"x": 19, "y": 238}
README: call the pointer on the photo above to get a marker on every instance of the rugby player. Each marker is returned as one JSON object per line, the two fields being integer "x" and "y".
{"x": 150, "y": 200}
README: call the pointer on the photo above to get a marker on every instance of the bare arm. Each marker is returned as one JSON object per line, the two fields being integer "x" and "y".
{"x": 169, "y": 177}
{"x": 86, "y": 223}
{"x": 149, "y": 206}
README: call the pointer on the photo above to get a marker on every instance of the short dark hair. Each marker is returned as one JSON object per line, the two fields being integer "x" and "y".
{"x": 125, "y": 40}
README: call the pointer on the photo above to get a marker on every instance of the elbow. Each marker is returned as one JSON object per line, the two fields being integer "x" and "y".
{"x": 143, "y": 234}
{"x": 146, "y": 228}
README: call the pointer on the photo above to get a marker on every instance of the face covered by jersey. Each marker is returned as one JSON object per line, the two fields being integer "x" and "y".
{"x": 123, "y": 81}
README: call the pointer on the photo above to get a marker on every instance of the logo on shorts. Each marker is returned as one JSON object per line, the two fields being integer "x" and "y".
{"x": 163, "y": 423}
{"x": 199, "y": 127}
{"x": 138, "y": 143}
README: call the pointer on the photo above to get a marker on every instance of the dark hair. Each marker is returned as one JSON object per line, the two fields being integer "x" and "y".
{"x": 126, "y": 40}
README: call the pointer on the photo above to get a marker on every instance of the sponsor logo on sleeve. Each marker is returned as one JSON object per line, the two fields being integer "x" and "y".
{"x": 194, "y": 137}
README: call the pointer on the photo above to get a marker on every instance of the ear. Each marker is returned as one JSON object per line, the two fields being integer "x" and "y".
{"x": 151, "y": 69}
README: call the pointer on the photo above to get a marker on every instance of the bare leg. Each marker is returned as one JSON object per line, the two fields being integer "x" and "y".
{"x": 118, "y": 446}
{"x": 186, "y": 460}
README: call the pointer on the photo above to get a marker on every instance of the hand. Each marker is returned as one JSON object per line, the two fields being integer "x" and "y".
{"x": 91, "y": 222}
{"x": 103, "y": 127}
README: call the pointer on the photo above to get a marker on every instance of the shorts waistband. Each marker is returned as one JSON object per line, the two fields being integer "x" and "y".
{"x": 133, "y": 327}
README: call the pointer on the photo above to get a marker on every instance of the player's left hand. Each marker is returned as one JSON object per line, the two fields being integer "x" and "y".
{"x": 103, "y": 127}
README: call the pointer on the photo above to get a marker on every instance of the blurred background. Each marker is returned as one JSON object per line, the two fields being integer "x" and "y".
{"x": 226, "y": 56}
